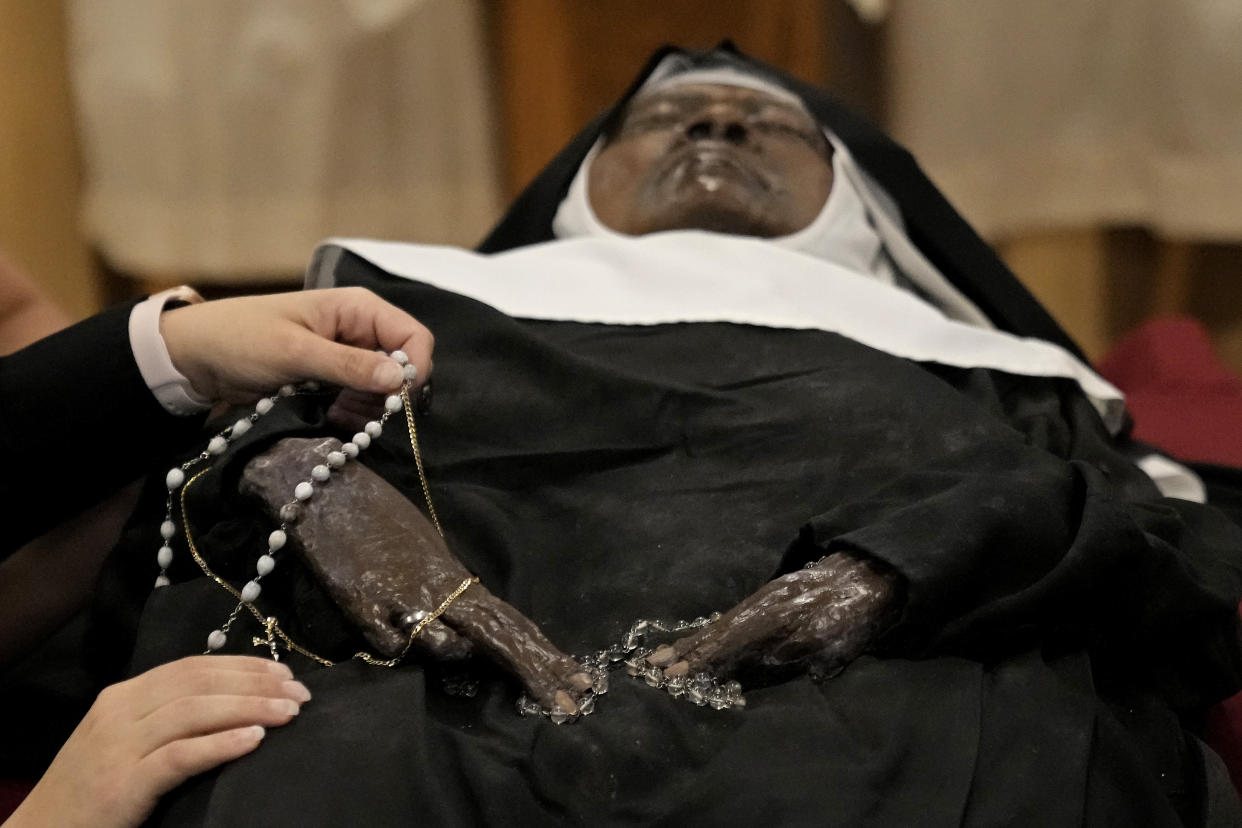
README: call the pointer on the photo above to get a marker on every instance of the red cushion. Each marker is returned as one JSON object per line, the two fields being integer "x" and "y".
{"x": 1182, "y": 397}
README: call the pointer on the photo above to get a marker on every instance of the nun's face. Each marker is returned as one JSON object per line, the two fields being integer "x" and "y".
{"x": 710, "y": 157}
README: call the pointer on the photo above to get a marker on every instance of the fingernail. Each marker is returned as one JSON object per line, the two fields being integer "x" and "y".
{"x": 565, "y": 702}
{"x": 279, "y": 669}
{"x": 287, "y": 706}
{"x": 387, "y": 374}
{"x": 663, "y": 656}
{"x": 297, "y": 691}
{"x": 257, "y": 732}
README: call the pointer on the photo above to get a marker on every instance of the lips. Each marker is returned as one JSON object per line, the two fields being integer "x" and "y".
{"x": 703, "y": 162}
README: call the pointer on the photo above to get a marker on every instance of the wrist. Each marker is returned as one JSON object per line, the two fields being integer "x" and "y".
{"x": 174, "y": 390}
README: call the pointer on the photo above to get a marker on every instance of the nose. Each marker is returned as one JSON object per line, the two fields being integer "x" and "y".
{"x": 720, "y": 125}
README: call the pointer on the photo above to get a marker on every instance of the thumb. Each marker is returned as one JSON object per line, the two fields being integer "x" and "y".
{"x": 348, "y": 366}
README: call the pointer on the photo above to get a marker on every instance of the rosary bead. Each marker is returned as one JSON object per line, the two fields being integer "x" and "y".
{"x": 265, "y": 565}
{"x": 290, "y": 512}
{"x": 286, "y": 391}
{"x": 264, "y": 405}
{"x": 321, "y": 473}
{"x": 393, "y": 403}
{"x": 162, "y": 581}
{"x": 528, "y": 707}
{"x": 250, "y": 592}
{"x": 349, "y": 449}
{"x": 174, "y": 478}
{"x": 276, "y": 541}
{"x": 362, "y": 440}
{"x": 400, "y": 356}
{"x": 168, "y": 529}
{"x": 240, "y": 427}
{"x": 373, "y": 429}
{"x": 217, "y": 445}
{"x": 216, "y": 640}
{"x": 409, "y": 372}
{"x": 164, "y": 556}
{"x": 303, "y": 490}
{"x": 336, "y": 459}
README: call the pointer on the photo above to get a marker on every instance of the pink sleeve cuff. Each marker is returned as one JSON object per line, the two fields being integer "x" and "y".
{"x": 169, "y": 385}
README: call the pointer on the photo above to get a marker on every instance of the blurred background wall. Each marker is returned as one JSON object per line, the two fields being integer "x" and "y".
{"x": 1096, "y": 143}
{"x": 40, "y": 181}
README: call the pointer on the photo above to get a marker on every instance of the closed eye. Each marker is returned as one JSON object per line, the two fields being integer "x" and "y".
{"x": 649, "y": 122}
{"x": 811, "y": 137}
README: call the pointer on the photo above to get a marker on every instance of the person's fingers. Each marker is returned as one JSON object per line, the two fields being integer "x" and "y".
{"x": 355, "y": 316}
{"x": 666, "y": 654}
{"x": 442, "y": 642}
{"x": 161, "y": 686}
{"x": 240, "y": 663}
{"x": 190, "y": 716}
{"x": 170, "y": 765}
{"x": 234, "y": 349}
{"x": 339, "y": 364}
{"x": 517, "y": 644}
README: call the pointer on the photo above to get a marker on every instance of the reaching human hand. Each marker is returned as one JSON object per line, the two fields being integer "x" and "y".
{"x": 238, "y": 349}
{"x": 820, "y": 618}
{"x": 145, "y": 736}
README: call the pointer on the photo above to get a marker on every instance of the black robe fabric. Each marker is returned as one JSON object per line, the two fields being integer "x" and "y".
{"x": 73, "y": 407}
{"x": 1062, "y": 624}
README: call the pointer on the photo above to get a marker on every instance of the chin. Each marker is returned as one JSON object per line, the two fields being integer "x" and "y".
{"x": 732, "y": 218}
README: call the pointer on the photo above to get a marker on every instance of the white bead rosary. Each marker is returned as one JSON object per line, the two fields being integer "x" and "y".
{"x": 302, "y": 492}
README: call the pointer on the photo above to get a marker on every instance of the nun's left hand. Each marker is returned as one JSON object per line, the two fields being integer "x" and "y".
{"x": 819, "y": 619}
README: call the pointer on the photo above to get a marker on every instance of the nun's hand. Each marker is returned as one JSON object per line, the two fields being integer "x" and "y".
{"x": 387, "y": 568}
{"x": 817, "y": 619}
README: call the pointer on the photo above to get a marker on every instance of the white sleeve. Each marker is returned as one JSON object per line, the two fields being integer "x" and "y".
{"x": 169, "y": 385}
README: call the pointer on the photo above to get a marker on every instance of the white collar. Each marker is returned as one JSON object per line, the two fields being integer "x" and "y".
{"x": 695, "y": 276}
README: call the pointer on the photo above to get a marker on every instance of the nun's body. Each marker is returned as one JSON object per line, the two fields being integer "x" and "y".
{"x": 1044, "y": 615}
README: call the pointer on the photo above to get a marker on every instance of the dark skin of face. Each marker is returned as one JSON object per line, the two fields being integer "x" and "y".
{"x": 712, "y": 157}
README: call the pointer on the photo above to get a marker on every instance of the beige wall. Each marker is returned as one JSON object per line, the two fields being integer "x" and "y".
{"x": 38, "y": 157}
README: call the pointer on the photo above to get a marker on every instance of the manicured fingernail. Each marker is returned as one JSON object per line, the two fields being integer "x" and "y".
{"x": 297, "y": 691}
{"x": 287, "y": 706}
{"x": 279, "y": 669}
{"x": 257, "y": 732}
{"x": 387, "y": 374}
